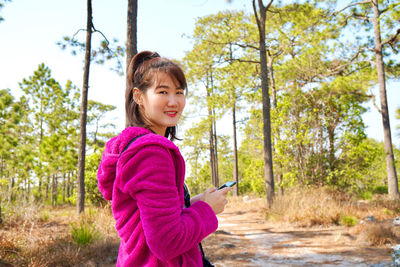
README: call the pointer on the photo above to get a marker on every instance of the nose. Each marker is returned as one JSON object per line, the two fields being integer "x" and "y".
{"x": 172, "y": 101}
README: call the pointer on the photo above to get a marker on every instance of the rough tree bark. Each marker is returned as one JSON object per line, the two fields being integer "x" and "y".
{"x": 268, "y": 169}
{"x": 80, "y": 201}
{"x": 131, "y": 36}
{"x": 235, "y": 155}
{"x": 387, "y": 138}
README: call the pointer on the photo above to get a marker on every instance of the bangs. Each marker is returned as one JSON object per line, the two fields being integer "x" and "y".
{"x": 169, "y": 68}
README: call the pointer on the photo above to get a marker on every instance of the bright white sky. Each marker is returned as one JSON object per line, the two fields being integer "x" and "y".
{"x": 31, "y": 29}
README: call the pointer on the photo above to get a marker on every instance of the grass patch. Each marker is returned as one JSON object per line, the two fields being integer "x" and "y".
{"x": 308, "y": 207}
{"x": 43, "y": 236}
{"x": 377, "y": 234}
{"x": 348, "y": 220}
{"x": 304, "y": 206}
{"x": 83, "y": 233}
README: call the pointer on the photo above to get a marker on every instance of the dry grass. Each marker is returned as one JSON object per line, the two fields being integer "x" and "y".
{"x": 377, "y": 233}
{"x": 247, "y": 203}
{"x": 323, "y": 206}
{"x": 38, "y": 236}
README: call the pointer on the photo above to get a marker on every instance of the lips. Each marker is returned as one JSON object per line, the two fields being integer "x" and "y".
{"x": 171, "y": 113}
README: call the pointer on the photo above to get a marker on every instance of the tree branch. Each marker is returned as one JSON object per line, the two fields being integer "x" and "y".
{"x": 73, "y": 36}
{"x": 350, "y": 5}
{"x": 244, "y": 60}
{"x": 374, "y": 103}
{"x": 256, "y": 14}
{"x": 339, "y": 69}
{"x": 388, "y": 8}
{"x": 233, "y": 43}
{"x": 391, "y": 40}
{"x": 358, "y": 16}
{"x": 268, "y": 6}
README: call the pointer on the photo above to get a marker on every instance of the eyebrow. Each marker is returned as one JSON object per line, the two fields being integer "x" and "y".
{"x": 163, "y": 86}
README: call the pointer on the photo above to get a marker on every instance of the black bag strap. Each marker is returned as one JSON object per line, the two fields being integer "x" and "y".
{"x": 206, "y": 262}
{"x": 130, "y": 142}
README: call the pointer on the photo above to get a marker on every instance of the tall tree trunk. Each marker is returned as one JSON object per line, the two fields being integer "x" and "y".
{"x": 268, "y": 169}
{"x": 331, "y": 153}
{"x": 12, "y": 184}
{"x": 215, "y": 139}
{"x": 387, "y": 138}
{"x": 235, "y": 155}
{"x": 47, "y": 188}
{"x": 55, "y": 190}
{"x": 52, "y": 190}
{"x": 40, "y": 188}
{"x": 64, "y": 187}
{"x": 69, "y": 186}
{"x": 212, "y": 134}
{"x": 212, "y": 150}
{"x": 80, "y": 202}
{"x": 2, "y": 167}
{"x": 29, "y": 186}
{"x": 279, "y": 167}
{"x": 131, "y": 37}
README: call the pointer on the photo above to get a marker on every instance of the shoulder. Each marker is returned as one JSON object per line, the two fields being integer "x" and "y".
{"x": 151, "y": 145}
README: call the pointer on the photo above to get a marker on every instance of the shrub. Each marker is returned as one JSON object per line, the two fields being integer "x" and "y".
{"x": 382, "y": 189}
{"x": 367, "y": 195}
{"x": 83, "y": 233}
{"x": 310, "y": 206}
{"x": 348, "y": 220}
{"x": 378, "y": 234}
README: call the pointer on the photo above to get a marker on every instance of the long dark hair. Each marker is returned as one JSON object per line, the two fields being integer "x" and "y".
{"x": 141, "y": 74}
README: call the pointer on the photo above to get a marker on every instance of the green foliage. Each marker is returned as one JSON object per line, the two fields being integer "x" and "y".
{"x": 39, "y": 136}
{"x": 83, "y": 233}
{"x": 348, "y": 220}
{"x": 44, "y": 215}
{"x": 387, "y": 211}
{"x": 104, "y": 52}
{"x": 366, "y": 195}
{"x": 92, "y": 193}
{"x": 318, "y": 91}
{"x": 380, "y": 189}
{"x": 96, "y": 121}
{"x": 318, "y": 87}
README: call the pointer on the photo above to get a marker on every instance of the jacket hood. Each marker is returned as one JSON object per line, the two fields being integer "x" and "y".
{"x": 106, "y": 173}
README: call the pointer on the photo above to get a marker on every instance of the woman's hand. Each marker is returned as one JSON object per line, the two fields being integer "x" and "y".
{"x": 196, "y": 198}
{"x": 216, "y": 198}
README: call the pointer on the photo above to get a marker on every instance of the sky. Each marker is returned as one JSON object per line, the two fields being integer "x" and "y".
{"x": 31, "y": 30}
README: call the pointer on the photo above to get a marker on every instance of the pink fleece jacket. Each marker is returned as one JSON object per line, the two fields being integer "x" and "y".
{"x": 145, "y": 186}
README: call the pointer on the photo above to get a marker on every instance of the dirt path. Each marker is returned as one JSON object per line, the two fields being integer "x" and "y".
{"x": 244, "y": 239}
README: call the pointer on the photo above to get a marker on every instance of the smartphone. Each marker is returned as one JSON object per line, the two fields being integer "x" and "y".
{"x": 229, "y": 184}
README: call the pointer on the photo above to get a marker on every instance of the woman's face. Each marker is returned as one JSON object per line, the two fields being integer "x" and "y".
{"x": 162, "y": 103}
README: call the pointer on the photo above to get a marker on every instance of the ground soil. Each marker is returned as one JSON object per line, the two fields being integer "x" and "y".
{"x": 244, "y": 238}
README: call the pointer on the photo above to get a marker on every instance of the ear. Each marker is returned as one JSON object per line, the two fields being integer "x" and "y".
{"x": 137, "y": 95}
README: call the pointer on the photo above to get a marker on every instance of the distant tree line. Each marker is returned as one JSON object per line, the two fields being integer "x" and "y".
{"x": 322, "y": 64}
{"x": 39, "y": 137}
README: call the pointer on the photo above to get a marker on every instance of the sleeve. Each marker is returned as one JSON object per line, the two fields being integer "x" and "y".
{"x": 169, "y": 229}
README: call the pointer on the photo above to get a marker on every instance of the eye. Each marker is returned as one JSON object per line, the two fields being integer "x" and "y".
{"x": 180, "y": 92}
{"x": 163, "y": 92}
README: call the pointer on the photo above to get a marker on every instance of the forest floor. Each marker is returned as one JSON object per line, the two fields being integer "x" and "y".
{"x": 244, "y": 238}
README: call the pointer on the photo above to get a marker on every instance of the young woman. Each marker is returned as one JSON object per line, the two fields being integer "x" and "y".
{"x": 142, "y": 173}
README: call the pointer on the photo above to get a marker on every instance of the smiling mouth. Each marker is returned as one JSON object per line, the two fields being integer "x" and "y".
{"x": 171, "y": 113}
